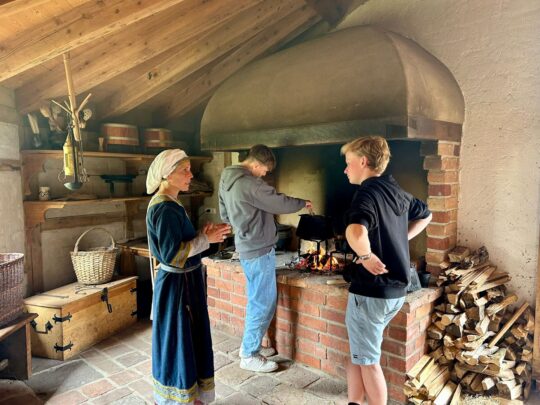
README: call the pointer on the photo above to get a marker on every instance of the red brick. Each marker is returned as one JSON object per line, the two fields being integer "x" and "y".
{"x": 444, "y": 217}
{"x": 315, "y": 297}
{"x": 334, "y": 316}
{"x": 287, "y": 302}
{"x": 443, "y": 177}
{"x": 436, "y": 256}
{"x": 226, "y": 274}
{"x": 440, "y": 148}
{"x": 239, "y": 289}
{"x": 285, "y": 350}
{"x": 286, "y": 314}
{"x": 337, "y": 330}
{"x": 226, "y": 318}
{"x": 395, "y": 393}
{"x": 413, "y": 359}
{"x": 335, "y": 343}
{"x": 224, "y": 285}
{"x": 225, "y": 306}
{"x": 211, "y": 281}
{"x": 239, "y": 311}
{"x": 311, "y": 322}
{"x": 283, "y": 325}
{"x": 311, "y": 348}
{"x": 442, "y": 203}
{"x": 393, "y": 377}
{"x": 403, "y": 319}
{"x": 442, "y": 229}
{"x": 338, "y": 357}
{"x": 397, "y": 363}
{"x": 443, "y": 190}
{"x": 285, "y": 338}
{"x": 237, "y": 322}
{"x": 213, "y": 271}
{"x": 434, "y": 162}
{"x": 399, "y": 334}
{"x": 238, "y": 278}
{"x": 423, "y": 311}
{"x": 214, "y": 314}
{"x": 239, "y": 300}
{"x": 307, "y": 308}
{"x": 441, "y": 243}
{"x": 213, "y": 292}
{"x": 336, "y": 302}
{"x": 224, "y": 295}
{"x": 211, "y": 301}
{"x": 394, "y": 347}
{"x": 306, "y": 333}
{"x": 307, "y": 359}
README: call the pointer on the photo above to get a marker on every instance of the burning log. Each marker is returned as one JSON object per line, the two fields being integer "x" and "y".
{"x": 477, "y": 344}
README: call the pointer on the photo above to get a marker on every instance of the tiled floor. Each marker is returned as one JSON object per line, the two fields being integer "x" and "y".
{"x": 117, "y": 371}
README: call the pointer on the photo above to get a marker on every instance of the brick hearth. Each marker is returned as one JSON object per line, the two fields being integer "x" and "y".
{"x": 441, "y": 160}
{"x": 309, "y": 326}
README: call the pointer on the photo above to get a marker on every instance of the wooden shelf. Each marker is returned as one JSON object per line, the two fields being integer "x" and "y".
{"x": 58, "y": 154}
{"x": 33, "y": 160}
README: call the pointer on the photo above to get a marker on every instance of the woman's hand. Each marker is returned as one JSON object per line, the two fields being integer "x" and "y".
{"x": 374, "y": 265}
{"x": 216, "y": 232}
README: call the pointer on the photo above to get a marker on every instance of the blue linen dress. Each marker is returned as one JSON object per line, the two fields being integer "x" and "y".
{"x": 182, "y": 357}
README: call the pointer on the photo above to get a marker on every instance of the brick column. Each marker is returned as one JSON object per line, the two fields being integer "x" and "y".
{"x": 441, "y": 159}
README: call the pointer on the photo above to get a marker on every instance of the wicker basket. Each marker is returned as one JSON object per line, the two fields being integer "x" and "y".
{"x": 94, "y": 266}
{"x": 11, "y": 286}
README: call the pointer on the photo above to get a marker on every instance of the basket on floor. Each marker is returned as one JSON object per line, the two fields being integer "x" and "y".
{"x": 11, "y": 286}
{"x": 94, "y": 266}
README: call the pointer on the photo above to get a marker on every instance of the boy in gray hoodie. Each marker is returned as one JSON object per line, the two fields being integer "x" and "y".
{"x": 249, "y": 204}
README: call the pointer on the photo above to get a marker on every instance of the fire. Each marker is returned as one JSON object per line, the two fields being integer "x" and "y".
{"x": 320, "y": 261}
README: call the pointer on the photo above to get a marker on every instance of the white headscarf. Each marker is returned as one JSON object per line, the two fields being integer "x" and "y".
{"x": 162, "y": 166}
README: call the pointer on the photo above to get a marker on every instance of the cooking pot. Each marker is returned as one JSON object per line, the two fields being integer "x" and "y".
{"x": 314, "y": 227}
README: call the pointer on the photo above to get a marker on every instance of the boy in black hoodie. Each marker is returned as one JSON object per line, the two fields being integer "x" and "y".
{"x": 381, "y": 221}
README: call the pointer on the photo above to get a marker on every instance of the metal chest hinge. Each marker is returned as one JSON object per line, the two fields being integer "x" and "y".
{"x": 57, "y": 319}
{"x": 105, "y": 299}
{"x": 48, "y": 327}
{"x": 63, "y": 348}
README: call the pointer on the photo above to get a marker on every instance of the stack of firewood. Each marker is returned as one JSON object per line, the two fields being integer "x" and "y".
{"x": 477, "y": 344}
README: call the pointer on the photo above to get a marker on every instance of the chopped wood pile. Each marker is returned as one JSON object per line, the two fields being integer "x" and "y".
{"x": 477, "y": 344}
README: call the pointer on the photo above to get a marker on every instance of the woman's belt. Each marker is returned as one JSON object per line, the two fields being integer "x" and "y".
{"x": 178, "y": 270}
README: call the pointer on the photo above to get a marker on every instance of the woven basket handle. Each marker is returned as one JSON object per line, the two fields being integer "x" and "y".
{"x": 113, "y": 244}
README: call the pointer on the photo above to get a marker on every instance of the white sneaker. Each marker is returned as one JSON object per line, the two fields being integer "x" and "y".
{"x": 259, "y": 364}
{"x": 265, "y": 351}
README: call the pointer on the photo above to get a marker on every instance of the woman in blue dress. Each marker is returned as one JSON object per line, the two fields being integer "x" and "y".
{"x": 182, "y": 357}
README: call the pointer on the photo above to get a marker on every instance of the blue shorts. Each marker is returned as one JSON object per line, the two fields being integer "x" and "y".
{"x": 366, "y": 319}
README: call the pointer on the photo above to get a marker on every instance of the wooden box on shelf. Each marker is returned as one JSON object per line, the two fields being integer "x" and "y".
{"x": 75, "y": 317}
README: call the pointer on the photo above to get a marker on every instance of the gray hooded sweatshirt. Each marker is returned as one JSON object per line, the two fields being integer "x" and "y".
{"x": 249, "y": 204}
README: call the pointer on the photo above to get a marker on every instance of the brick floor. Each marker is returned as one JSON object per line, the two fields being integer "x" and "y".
{"x": 118, "y": 371}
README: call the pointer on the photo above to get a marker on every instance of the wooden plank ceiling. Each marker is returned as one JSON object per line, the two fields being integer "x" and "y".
{"x": 167, "y": 56}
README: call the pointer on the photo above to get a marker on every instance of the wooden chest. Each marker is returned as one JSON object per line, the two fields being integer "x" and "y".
{"x": 75, "y": 317}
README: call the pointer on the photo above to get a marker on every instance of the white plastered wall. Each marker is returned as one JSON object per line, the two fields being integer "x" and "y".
{"x": 11, "y": 208}
{"x": 492, "y": 49}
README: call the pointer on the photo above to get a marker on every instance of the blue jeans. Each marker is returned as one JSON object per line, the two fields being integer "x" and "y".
{"x": 260, "y": 275}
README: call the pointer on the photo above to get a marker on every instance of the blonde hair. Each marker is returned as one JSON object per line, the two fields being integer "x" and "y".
{"x": 374, "y": 148}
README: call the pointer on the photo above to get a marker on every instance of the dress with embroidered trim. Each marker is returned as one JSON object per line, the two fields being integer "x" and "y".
{"x": 182, "y": 357}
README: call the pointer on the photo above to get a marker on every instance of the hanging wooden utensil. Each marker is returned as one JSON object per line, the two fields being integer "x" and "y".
{"x": 73, "y": 153}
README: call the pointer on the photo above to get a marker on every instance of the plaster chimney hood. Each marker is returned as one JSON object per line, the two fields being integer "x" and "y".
{"x": 354, "y": 82}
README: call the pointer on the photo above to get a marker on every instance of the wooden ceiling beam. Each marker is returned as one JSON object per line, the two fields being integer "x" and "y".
{"x": 71, "y": 29}
{"x": 140, "y": 42}
{"x": 194, "y": 56}
{"x": 198, "y": 87}
{"x": 10, "y": 8}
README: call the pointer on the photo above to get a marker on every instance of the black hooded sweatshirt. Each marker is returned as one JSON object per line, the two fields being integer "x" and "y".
{"x": 385, "y": 209}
